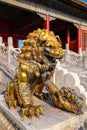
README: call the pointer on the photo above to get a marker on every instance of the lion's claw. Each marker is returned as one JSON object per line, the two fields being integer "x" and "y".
{"x": 31, "y": 111}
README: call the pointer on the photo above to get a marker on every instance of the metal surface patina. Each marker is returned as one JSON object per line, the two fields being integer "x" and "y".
{"x": 37, "y": 62}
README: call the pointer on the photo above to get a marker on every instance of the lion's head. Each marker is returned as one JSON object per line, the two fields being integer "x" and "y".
{"x": 41, "y": 43}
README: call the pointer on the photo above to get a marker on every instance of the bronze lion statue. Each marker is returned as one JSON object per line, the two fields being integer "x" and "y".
{"x": 37, "y": 62}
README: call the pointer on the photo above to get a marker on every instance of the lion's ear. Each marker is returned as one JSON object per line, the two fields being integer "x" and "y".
{"x": 58, "y": 38}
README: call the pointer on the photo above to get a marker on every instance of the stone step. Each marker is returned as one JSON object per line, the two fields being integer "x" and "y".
{"x": 5, "y": 124}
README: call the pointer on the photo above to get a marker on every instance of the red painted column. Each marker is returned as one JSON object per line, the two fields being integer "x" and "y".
{"x": 47, "y": 22}
{"x": 66, "y": 58}
{"x": 68, "y": 39}
{"x": 68, "y": 36}
{"x": 79, "y": 39}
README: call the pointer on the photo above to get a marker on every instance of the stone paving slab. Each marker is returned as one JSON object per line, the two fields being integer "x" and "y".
{"x": 52, "y": 119}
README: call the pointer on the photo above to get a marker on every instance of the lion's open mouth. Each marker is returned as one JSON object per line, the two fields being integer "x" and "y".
{"x": 54, "y": 53}
{"x": 50, "y": 58}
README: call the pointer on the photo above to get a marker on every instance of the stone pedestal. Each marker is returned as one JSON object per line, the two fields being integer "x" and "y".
{"x": 52, "y": 118}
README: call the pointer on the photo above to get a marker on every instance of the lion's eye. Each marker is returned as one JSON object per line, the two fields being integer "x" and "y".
{"x": 48, "y": 44}
{"x": 53, "y": 44}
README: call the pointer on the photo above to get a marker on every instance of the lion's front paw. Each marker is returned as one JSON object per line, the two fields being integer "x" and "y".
{"x": 31, "y": 111}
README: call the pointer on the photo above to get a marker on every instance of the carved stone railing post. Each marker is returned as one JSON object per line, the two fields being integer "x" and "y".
{"x": 2, "y": 48}
{"x": 1, "y": 42}
{"x": 57, "y": 66}
{"x": 85, "y": 59}
{"x": 13, "y": 55}
{"x": 66, "y": 57}
{"x": 10, "y": 46}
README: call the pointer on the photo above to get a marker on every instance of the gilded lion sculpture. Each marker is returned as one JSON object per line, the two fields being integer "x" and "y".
{"x": 37, "y": 62}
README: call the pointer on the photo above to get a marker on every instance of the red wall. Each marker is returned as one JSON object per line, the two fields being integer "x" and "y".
{"x": 5, "y": 30}
{"x": 74, "y": 45}
{"x": 15, "y": 38}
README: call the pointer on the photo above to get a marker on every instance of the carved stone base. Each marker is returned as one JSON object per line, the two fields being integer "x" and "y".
{"x": 52, "y": 118}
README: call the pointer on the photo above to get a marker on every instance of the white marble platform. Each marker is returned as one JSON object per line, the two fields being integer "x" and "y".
{"x": 52, "y": 119}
